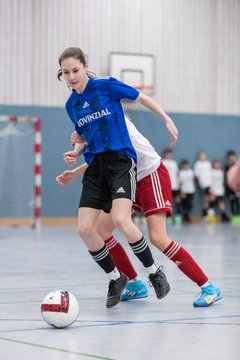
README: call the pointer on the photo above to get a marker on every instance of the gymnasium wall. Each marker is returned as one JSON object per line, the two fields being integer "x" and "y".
{"x": 195, "y": 42}
{"x": 213, "y": 133}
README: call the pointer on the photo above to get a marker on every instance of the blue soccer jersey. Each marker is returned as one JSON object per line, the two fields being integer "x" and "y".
{"x": 98, "y": 115}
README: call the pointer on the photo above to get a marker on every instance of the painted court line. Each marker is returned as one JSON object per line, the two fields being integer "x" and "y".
{"x": 187, "y": 320}
{"x": 56, "y": 349}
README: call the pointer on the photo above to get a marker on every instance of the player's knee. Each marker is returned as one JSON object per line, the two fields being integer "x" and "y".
{"x": 120, "y": 221}
{"x": 84, "y": 229}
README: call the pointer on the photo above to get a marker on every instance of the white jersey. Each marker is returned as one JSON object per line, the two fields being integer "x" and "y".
{"x": 203, "y": 171}
{"x": 218, "y": 182}
{"x": 172, "y": 167}
{"x": 186, "y": 178}
{"x": 148, "y": 159}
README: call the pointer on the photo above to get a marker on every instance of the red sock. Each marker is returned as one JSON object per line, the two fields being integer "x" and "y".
{"x": 120, "y": 257}
{"x": 185, "y": 262}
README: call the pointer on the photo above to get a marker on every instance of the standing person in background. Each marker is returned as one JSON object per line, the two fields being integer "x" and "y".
{"x": 203, "y": 173}
{"x": 172, "y": 167}
{"x": 231, "y": 160}
{"x": 218, "y": 191}
{"x": 109, "y": 182}
{"x": 187, "y": 190}
{"x": 154, "y": 198}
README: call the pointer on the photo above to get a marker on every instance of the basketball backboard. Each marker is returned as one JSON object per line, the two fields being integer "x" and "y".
{"x": 136, "y": 70}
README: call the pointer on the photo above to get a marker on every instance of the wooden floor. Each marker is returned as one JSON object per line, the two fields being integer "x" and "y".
{"x": 34, "y": 264}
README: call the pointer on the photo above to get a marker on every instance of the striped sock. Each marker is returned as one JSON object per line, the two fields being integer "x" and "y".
{"x": 103, "y": 259}
{"x": 143, "y": 252}
{"x": 120, "y": 257}
{"x": 185, "y": 263}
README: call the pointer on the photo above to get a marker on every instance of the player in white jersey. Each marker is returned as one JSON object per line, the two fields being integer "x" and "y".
{"x": 218, "y": 190}
{"x": 187, "y": 189}
{"x": 154, "y": 198}
{"x": 202, "y": 170}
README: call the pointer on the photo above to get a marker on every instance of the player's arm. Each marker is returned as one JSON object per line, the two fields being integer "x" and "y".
{"x": 69, "y": 175}
{"x": 149, "y": 103}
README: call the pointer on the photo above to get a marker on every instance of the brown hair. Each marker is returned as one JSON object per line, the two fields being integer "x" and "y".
{"x": 72, "y": 52}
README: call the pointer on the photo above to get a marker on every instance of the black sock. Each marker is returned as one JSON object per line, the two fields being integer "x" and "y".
{"x": 143, "y": 252}
{"x": 103, "y": 259}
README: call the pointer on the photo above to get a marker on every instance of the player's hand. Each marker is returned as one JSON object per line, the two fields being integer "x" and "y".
{"x": 64, "y": 178}
{"x": 173, "y": 131}
{"x": 75, "y": 138}
{"x": 71, "y": 157}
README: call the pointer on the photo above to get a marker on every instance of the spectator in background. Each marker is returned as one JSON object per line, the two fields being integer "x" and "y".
{"x": 203, "y": 173}
{"x": 218, "y": 191}
{"x": 172, "y": 168}
{"x": 233, "y": 177}
{"x": 187, "y": 190}
{"x": 231, "y": 160}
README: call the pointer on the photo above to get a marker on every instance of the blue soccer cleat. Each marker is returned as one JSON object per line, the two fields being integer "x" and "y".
{"x": 134, "y": 290}
{"x": 210, "y": 294}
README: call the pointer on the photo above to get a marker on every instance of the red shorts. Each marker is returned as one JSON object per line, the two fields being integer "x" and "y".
{"x": 154, "y": 193}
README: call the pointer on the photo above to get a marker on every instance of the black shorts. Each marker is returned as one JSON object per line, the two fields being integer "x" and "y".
{"x": 110, "y": 176}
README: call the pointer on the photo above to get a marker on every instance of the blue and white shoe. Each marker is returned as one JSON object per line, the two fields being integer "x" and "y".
{"x": 134, "y": 290}
{"x": 210, "y": 294}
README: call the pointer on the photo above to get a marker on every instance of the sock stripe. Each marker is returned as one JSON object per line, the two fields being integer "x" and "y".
{"x": 111, "y": 243}
{"x": 139, "y": 247}
{"x": 173, "y": 250}
{"x": 101, "y": 255}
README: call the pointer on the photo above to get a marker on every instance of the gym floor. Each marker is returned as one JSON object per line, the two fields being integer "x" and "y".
{"x": 32, "y": 265}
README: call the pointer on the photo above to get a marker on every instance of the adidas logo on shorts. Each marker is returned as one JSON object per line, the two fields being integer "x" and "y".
{"x": 167, "y": 203}
{"x": 121, "y": 190}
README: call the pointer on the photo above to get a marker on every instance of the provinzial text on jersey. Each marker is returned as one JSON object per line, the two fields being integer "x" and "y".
{"x": 93, "y": 116}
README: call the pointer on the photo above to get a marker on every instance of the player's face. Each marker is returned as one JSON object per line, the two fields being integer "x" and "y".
{"x": 74, "y": 73}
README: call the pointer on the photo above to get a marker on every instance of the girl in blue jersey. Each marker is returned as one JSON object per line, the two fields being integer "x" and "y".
{"x": 109, "y": 182}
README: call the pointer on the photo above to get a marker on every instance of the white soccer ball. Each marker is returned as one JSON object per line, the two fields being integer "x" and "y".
{"x": 59, "y": 309}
